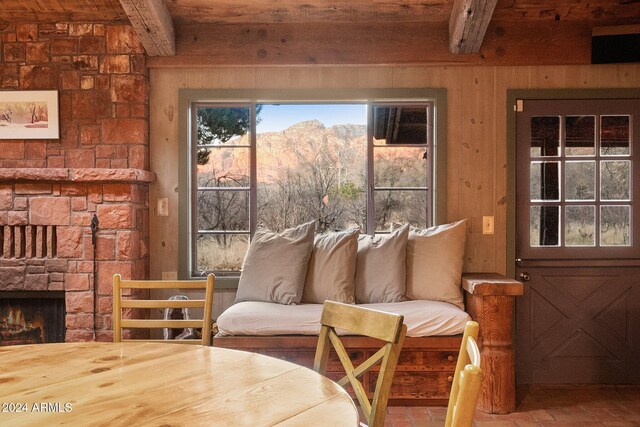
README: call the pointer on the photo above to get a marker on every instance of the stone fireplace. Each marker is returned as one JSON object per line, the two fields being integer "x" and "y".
{"x": 47, "y": 247}
{"x": 51, "y": 189}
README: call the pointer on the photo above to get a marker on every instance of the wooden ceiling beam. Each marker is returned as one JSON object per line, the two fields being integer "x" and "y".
{"x": 506, "y": 43}
{"x": 468, "y": 24}
{"x": 154, "y": 26}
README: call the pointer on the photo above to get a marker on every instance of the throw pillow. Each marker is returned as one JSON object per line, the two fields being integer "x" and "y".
{"x": 276, "y": 264}
{"x": 381, "y": 267}
{"x": 434, "y": 263}
{"x": 332, "y": 268}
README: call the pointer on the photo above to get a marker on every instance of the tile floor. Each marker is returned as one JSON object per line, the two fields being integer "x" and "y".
{"x": 543, "y": 406}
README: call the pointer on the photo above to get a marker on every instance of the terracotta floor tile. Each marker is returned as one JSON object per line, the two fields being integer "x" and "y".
{"x": 631, "y": 417}
{"x": 516, "y": 416}
{"x": 438, "y": 413}
{"x": 583, "y": 418}
{"x": 494, "y": 423}
{"x": 601, "y": 414}
{"x": 398, "y": 410}
{"x": 621, "y": 410}
{"x": 621, "y": 424}
{"x": 481, "y": 416}
{"x": 542, "y": 406}
{"x": 541, "y": 415}
{"x": 572, "y": 424}
{"x": 398, "y": 423}
{"x": 418, "y": 411}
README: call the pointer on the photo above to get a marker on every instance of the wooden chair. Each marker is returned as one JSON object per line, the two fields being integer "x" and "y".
{"x": 386, "y": 327}
{"x": 466, "y": 380}
{"x": 120, "y": 303}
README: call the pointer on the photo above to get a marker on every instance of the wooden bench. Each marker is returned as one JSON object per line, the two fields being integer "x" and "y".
{"x": 426, "y": 366}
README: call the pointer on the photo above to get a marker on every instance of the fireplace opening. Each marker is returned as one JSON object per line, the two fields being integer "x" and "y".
{"x": 31, "y": 317}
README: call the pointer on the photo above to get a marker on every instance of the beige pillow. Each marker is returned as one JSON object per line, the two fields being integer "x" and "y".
{"x": 276, "y": 264}
{"x": 332, "y": 268}
{"x": 381, "y": 267}
{"x": 434, "y": 263}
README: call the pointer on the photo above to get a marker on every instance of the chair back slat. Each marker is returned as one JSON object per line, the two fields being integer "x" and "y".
{"x": 120, "y": 303}
{"x": 473, "y": 351}
{"x": 185, "y": 303}
{"x": 467, "y": 380}
{"x": 161, "y": 284}
{"x": 355, "y": 320}
{"x": 368, "y": 322}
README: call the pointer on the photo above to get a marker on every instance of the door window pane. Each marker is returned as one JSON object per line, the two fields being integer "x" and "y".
{"x": 399, "y": 167}
{"x": 221, "y": 252}
{"x": 223, "y": 210}
{"x": 615, "y": 226}
{"x": 580, "y": 180}
{"x": 615, "y": 179}
{"x": 614, "y": 135}
{"x": 400, "y": 206}
{"x": 223, "y": 167}
{"x": 545, "y": 136}
{"x": 544, "y": 226}
{"x": 580, "y": 135}
{"x": 580, "y": 225}
{"x": 545, "y": 181}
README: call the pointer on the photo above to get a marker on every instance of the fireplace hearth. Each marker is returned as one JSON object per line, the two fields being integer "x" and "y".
{"x": 32, "y": 317}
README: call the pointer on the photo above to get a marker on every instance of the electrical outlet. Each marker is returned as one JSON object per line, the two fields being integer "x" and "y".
{"x": 487, "y": 225}
{"x": 169, "y": 275}
{"x": 163, "y": 207}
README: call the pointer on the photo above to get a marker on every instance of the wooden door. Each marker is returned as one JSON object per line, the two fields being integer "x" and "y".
{"x": 578, "y": 241}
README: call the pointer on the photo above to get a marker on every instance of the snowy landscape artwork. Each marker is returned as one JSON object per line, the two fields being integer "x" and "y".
{"x": 29, "y": 114}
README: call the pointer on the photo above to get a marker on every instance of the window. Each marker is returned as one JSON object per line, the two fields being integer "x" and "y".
{"x": 577, "y": 201}
{"x": 595, "y": 167}
{"x": 343, "y": 164}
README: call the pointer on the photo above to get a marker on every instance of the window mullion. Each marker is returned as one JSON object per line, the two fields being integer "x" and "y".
{"x": 193, "y": 176}
{"x": 370, "y": 196}
{"x": 253, "y": 173}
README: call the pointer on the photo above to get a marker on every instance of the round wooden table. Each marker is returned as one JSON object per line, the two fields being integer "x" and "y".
{"x": 136, "y": 384}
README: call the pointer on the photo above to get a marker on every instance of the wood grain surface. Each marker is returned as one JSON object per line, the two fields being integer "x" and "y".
{"x": 161, "y": 384}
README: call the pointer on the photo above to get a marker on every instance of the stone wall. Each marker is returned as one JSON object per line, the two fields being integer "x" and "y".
{"x": 50, "y": 189}
{"x": 100, "y": 73}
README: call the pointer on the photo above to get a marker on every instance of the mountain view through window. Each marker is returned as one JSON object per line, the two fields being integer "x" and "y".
{"x": 312, "y": 162}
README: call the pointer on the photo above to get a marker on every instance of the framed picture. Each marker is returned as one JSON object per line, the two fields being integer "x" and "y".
{"x": 29, "y": 114}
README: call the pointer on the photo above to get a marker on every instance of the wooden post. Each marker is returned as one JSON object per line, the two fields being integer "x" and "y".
{"x": 489, "y": 299}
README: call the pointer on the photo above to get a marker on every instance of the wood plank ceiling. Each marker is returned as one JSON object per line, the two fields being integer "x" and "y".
{"x": 347, "y": 32}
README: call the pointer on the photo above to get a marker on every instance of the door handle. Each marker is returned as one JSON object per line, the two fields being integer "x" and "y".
{"x": 525, "y": 277}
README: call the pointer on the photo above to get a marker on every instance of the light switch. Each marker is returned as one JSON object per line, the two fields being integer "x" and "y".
{"x": 487, "y": 225}
{"x": 163, "y": 207}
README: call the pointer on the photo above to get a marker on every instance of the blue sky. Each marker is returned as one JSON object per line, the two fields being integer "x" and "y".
{"x": 277, "y": 117}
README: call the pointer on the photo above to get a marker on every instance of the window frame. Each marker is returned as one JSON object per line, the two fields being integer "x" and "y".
{"x": 436, "y": 181}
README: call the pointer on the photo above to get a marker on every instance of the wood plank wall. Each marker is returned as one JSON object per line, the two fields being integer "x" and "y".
{"x": 476, "y": 152}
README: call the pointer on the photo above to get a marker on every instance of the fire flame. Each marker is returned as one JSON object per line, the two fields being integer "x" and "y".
{"x": 15, "y": 321}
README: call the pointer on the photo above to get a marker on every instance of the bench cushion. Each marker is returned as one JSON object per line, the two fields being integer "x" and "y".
{"x": 332, "y": 268}
{"x": 434, "y": 263}
{"x": 422, "y": 317}
{"x": 381, "y": 268}
{"x": 276, "y": 265}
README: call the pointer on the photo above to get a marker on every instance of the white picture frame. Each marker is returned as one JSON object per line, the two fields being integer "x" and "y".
{"x": 29, "y": 114}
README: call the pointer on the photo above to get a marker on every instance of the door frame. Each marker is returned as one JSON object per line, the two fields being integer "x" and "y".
{"x": 546, "y": 94}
